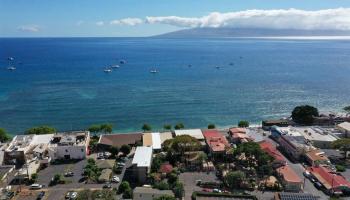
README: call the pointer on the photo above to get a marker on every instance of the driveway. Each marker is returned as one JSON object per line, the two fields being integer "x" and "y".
{"x": 189, "y": 181}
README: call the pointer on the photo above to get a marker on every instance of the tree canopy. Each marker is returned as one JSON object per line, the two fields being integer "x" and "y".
{"x": 179, "y": 126}
{"x": 97, "y": 128}
{"x": 146, "y": 127}
{"x": 243, "y": 124}
{"x": 167, "y": 126}
{"x": 182, "y": 143}
{"x": 4, "y": 136}
{"x": 234, "y": 179}
{"x": 304, "y": 114}
{"x": 125, "y": 149}
{"x": 211, "y": 126}
{"x": 343, "y": 145}
{"x": 40, "y": 130}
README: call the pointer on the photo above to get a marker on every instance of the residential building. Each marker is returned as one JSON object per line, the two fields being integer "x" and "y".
{"x": 69, "y": 145}
{"x": 217, "y": 143}
{"x": 148, "y": 193}
{"x": 289, "y": 179}
{"x": 152, "y": 140}
{"x": 316, "y": 157}
{"x": 332, "y": 181}
{"x": 344, "y": 128}
{"x": 141, "y": 163}
{"x": 238, "y": 135}
{"x": 291, "y": 141}
{"x": 164, "y": 136}
{"x": 24, "y": 148}
{"x": 294, "y": 196}
{"x": 270, "y": 149}
{"x": 267, "y": 124}
{"x": 5, "y": 171}
{"x": 319, "y": 137}
{"x": 117, "y": 140}
{"x": 196, "y": 133}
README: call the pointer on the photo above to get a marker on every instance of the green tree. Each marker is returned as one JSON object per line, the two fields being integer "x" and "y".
{"x": 95, "y": 128}
{"x": 34, "y": 177}
{"x": 162, "y": 185}
{"x": 304, "y": 114}
{"x": 156, "y": 163}
{"x": 57, "y": 178}
{"x": 178, "y": 190}
{"x": 167, "y": 126}
{"x": 127, "y": 194}
{"x": 106, "y": 128}
{"x": 234, "y": 179}
{"x": 125, "y": 149}
{"x": 84, "y": 195}
{"x": 342, "y": 144}
{"x": 40, "y": 130}
{"x": 211, "y": 126}
{"x": 91, "y": 171}
{"x": 123, "y": 187}
{"x": 179, "y": 126}
{"x": 114, "y": 151}
{"x": 4, "y": 136}
{"x": 243, "y": 124}
{"x": 172, "y": 178}
{"x": 165, "y": 197}
{"x": 146, "y": 127}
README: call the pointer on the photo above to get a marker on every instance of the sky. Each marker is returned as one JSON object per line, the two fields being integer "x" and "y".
{"x": 139, "y": 18}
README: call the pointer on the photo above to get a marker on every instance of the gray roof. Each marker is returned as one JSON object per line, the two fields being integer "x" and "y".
{"x": 148, "y": 190}
{"x": 297, "y": 196}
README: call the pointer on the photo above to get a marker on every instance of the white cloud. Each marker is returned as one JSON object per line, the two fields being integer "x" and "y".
{"x": 338, "y": 19}
{"x": 100, "y": 23}
{"x": 29, "y": 28}
{"x": 127, "y": 21}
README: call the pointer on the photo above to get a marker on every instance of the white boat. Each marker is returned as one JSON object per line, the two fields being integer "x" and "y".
{"x": 11, "y": 68}
{"x": 115, "y": 66}
{"x": 154, "y": 71}
{"x": 107, "y": 70}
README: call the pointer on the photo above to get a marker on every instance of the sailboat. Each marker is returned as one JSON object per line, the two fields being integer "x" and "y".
{"x": 11, "y": 66}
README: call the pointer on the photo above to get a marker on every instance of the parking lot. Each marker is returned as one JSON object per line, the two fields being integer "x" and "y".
{"x": 189, "y": 181}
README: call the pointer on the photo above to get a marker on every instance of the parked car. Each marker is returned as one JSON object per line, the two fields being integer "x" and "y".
{"x": 217, "y": 190}
{"x": 69, "y": 174}
{"x": 115, "y": 179}
{"x": 120, "y": 164}
{"x": 35, "y": 186}
{"x": 40, "y": 195}
{"x": 106, "y": 154}
{"x": 71, "y": 195}
{"x": 9, "y": 195}
{"x": 318, "y": 185}
{"x": 307, "y": 174}
{"x": 107, "y": 185}
{"x": 100, "y": 156}
{"x": 312, "y": 180}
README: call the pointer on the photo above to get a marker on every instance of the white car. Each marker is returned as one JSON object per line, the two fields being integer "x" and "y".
{"x": 35, "y": 186}
{"x": 115, "y": 179}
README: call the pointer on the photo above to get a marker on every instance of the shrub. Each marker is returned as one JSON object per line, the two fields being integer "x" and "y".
{"x": 211, "y": 126}
{"x": 340, "y": 168}
{"x": 243, "y": 124}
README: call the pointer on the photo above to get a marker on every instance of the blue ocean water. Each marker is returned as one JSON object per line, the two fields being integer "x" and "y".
{"x": 60, "y": 81}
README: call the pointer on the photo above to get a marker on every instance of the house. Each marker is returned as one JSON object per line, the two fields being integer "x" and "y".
{"x": 315, "y": 157}
{"x": 148, "y": 193}
{"x": 196, "y": 133}
{"x": 217, "y": 143}
{"x": 344, "y": 128}
{"x": 152, "y": 140}
{"x": 24, "y": 148}
{"x": 238, "y": 135}
{"x": 334, "y": 155}
{"x": 117, "y": 140}
{"x": 289, "y": 179}
{"x": 317, "y": 136}
{"x": 291, "y": 141}
{"x": 165, "y": 136}
{"x": 332, "y": 181}
{"x": 141, "y": 163}
{"x": 294, "y": 196}
{"x": 268, "y": 148}
{"x": 267, "y": 124}
{"x": 69, "y": 145}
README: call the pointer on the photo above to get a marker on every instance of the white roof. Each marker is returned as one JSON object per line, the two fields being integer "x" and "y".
{"x": 42, "y": 139}
{"x": 165, "y": 136}
{"x": 345, "y": 125}
{"x": 196, "y": 133}
{"x": 316, "y": 134}
{"x": 156, "y": 142}
{"x": 143, "y": 157}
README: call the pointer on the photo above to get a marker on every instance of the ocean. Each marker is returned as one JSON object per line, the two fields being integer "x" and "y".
{"x": 60, "y": 81}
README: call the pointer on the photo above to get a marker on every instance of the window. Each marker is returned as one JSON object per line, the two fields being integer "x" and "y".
{"x": 67, "y": 150}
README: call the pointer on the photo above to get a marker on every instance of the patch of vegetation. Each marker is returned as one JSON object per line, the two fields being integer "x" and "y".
{"x": 179, "y": 126}
{"x": 211, "y": 126}
{"x": 243, "y": 124}
{"x": 304, "y": 114}
{"x": 91, "y": 171}
{"x": 4, "y": 136}
{"x": 146, "y": 127}
{"x": 40, "y": 130}
{"x": 125, "y": 189}
{"x": 342, "y": 144}
{"x": 125, "y": 149}
{"x": 340, "y": 168}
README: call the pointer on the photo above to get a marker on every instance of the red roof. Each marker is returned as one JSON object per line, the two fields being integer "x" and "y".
{"x": 329, "y": 178}
{"x": 166, "y": 168}
{"x": 288, "y": 174}
{"x": 215, "y": 140}
{"x": 271, "y": 150}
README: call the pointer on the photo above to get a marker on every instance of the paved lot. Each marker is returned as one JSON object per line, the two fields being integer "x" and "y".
{"x": 189, "y": 181}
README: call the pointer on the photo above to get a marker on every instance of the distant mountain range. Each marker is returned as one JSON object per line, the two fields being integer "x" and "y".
{"x": 249, "y": 32}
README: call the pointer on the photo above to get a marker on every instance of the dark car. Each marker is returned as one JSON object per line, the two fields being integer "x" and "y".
{"x": 318, "y": 185}
{"x": 41, "y": 195}
{"x": 69, "y": 174}
{"x": 107, "y": 186}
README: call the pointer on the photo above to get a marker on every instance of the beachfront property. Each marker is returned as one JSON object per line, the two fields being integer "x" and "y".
{"x": 239, "y": 135}
{"x": 268, "y": 148}
{"x": 291, "y": 141}
{"x": 196, "y": 133}
{"x": 344, "y": 128}
{"x": 316, "y": 157}
{"x": 152, "y": 140}
{"x": 289, "y": 179}
{"x": 164, "y": 136}
{"x": 69, "y": 145}
{"x": 149, "y": 193}
{"x": 25, "y": 148}
{"x": 330, "y": 180}
{"x": 141, "y": 163}
{"x": 319, "y": 137}
{"x": 217, "y": 142}
{"x": 117, "y": 140}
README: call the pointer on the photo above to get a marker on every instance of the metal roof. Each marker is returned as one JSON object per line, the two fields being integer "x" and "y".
{"x": 143, "y": 157}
